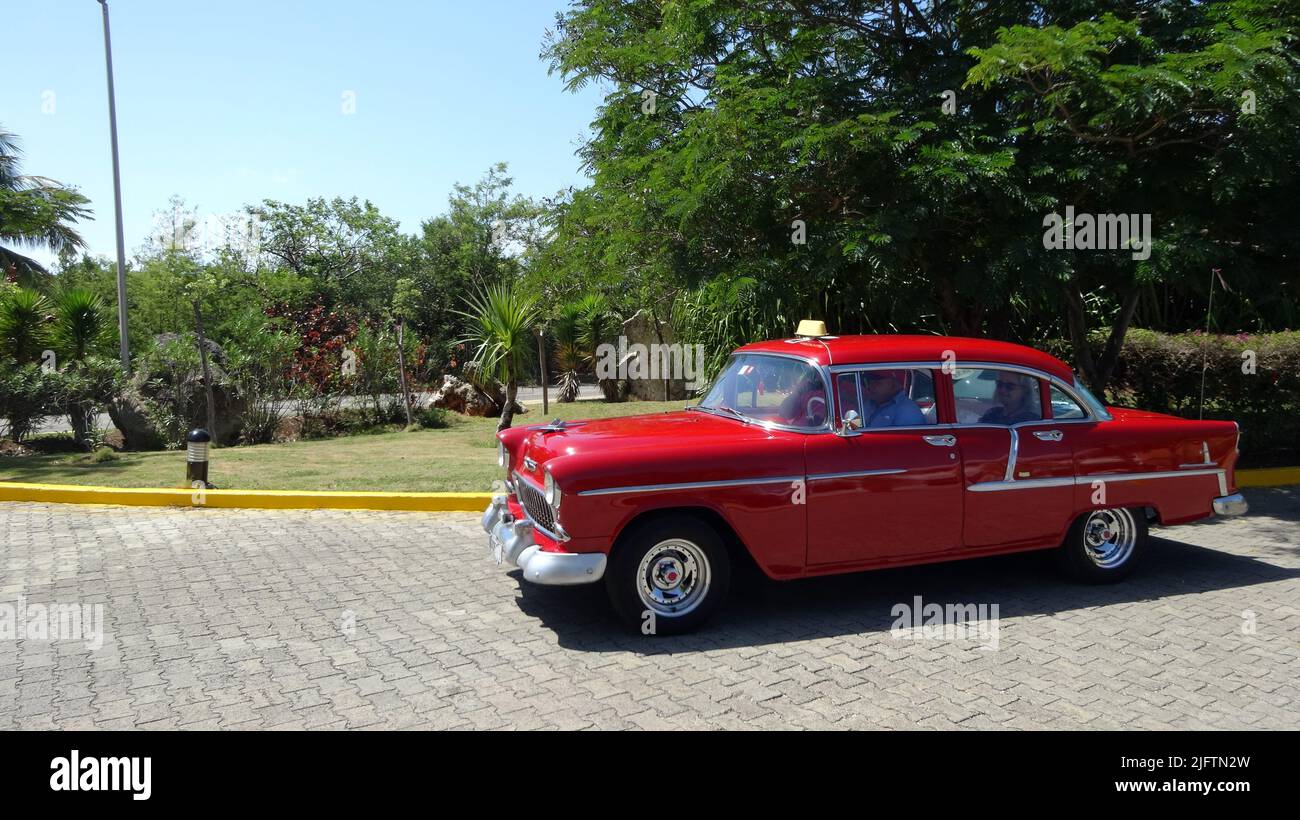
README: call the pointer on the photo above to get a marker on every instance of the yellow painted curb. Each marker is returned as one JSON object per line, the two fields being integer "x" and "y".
{"x": 1268, "y": 477}
{"x": 309, "y": 500}
{"x": 250, "y": 499}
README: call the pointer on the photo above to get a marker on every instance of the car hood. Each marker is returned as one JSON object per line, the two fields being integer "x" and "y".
{"x": 677, "y": 428}
{"x": 702, "y": 445}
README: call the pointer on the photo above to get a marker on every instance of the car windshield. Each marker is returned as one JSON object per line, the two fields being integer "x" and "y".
{"x": 770, "y": 389}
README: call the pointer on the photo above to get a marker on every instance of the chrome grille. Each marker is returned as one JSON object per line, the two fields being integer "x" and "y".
{"x": 534, "y": 504}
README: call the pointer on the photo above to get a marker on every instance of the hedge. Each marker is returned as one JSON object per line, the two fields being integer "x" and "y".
{"x": 1253, "y": 379}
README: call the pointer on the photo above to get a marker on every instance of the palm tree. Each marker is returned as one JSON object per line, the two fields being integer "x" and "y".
{"x": 80, "y": 323}
{"x": 24, "y": 334}
{"x": 501, "y": 318}
{"x": 35, "y": 212}
{"x": 595, "y": 329}
{"x": 568, "y": 350}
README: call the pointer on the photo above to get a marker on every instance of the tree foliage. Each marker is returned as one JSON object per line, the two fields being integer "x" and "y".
{"x": 888, "y": 165}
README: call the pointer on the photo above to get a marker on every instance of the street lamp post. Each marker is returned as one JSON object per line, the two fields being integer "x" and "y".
{"x": 117, "y": 200}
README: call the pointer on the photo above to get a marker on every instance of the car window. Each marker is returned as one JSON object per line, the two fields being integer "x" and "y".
{"x": 995, "y": 396}
{"x": 846, "y": 387}
{"x": 888, "y": 397}
{"x": 1099, "y": 410}
{"x": 1064, "y": 407}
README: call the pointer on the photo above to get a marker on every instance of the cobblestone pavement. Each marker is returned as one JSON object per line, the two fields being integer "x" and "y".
{"x": 331, "y": 619}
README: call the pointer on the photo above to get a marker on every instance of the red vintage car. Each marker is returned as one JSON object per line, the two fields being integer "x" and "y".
{"x": 821, "y": 454}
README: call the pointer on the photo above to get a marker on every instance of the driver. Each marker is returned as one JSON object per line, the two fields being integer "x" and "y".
{"x": 806, "y": 404}
{"x": 887, "y": 405}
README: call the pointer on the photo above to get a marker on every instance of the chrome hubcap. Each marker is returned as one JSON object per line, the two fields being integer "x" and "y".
{"x": 673, "y": 577}
{"x": 1109, "y": 537}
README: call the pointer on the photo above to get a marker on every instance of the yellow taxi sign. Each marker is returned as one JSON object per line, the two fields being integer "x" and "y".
{"x": 811, "y": 328}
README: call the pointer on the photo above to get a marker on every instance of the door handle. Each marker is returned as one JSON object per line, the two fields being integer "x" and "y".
{"x": 941, "y": 441}
{"x": 1048, "y": 435}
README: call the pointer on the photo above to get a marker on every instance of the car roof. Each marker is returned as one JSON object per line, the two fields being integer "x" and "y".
{"x": 840, "y": 350}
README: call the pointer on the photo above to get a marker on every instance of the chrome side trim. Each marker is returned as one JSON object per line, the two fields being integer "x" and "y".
{"x": 1022, "y": 484}
{"x": 1036, "y": 483}
{"x": 693, "y": 485}
{"x": 1205, "y": 458}
{"x": 1088, "y": 479}
{"x": 1011, "y": 456}
{"x": 855, "y": 474}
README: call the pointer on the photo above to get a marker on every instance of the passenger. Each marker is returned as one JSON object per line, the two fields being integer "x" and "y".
{"x": 887, "y": 405}
{"x": 1017, "y": 401}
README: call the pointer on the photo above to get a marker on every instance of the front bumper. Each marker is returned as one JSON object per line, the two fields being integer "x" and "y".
{"x": 512, "y": 540}
{"x": 1233, "y": 504}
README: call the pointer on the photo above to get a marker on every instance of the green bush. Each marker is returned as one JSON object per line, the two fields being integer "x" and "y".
{"x": 85, "y": 388}
{"x": 343, "y": 421}
{"x": 1162, "y": 372}
{"x": 434, "y": 418}
{"x": 260, "y": 359}
{"x": 27, "y": 392}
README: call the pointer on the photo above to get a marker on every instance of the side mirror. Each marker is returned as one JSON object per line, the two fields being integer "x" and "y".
{"x": 852, "y": 421}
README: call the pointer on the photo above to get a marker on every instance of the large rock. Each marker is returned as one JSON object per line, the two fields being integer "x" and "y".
{"x": 461, "y": 396}
{"x": 645, "y": 338}
{"x": 148, "y": 398}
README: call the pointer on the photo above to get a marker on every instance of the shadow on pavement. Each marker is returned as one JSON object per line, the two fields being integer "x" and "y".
{"x": 760, "y": 612}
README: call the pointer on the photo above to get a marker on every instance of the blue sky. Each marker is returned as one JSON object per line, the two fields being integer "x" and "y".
{"x": 232, "y": 102}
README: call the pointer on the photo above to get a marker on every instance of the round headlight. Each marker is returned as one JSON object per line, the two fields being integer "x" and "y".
{"x": 501, "y": 454}
{"x": 552, "y": 492}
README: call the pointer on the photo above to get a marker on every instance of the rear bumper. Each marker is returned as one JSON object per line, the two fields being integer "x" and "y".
{"x": 1233, "y": 504}
{"x": 511, "y": 540}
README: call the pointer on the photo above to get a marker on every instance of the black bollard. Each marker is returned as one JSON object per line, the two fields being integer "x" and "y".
{"x": 196, "y": 457}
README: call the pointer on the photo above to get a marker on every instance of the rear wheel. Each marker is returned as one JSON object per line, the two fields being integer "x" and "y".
{"x": 1103, "y": 546}
{"x": 669, "y": 575}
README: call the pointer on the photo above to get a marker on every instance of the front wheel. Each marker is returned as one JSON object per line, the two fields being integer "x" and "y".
{"x": 668, "y": 576}
{"x": 1103, "y": 546}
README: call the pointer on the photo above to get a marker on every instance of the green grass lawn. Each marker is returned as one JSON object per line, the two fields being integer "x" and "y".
{"x": 459, "y": 458}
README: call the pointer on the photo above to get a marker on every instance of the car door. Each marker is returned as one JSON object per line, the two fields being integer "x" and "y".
{"x": 884, "y": 493}
{"x": 1017, "y": 463}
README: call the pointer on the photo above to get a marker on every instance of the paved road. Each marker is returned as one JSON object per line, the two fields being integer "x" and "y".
{"x": 259, "y": 619}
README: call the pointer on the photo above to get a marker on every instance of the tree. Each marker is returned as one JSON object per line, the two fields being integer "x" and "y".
{"x": 81, "y": 324}
{"x": 1188, "y": 119}
{"x": 405, "y": 298}
{"x": 35, "y": 212}
{"x": 487, "y": 235}
{"x": 24, "y": 325}
{"x": 501, "y": 318}
{"x": 887, "y": 164}
{"x": 351, "y": 251}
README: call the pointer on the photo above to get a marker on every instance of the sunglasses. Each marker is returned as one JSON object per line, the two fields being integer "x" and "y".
{"x": 1010, "y": 385}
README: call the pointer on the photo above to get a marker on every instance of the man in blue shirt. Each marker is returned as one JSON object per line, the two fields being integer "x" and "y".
{"x": 887, "y": 405}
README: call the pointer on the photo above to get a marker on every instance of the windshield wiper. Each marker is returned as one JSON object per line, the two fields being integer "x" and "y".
{"x": 721, "y": 408}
